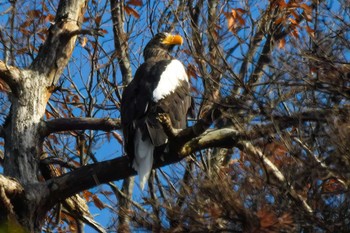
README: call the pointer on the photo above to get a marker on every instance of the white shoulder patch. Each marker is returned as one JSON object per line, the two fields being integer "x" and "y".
{"x": 169, "y": 79}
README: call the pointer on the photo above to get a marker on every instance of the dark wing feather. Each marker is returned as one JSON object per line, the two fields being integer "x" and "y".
{"x": 135, "y": 101}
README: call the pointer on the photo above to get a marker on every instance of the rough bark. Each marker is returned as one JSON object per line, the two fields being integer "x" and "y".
{"x": 31, "y": 88}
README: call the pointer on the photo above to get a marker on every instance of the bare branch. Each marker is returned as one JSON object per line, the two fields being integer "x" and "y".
{"x": 68, "y": 124}
{"x": 275, "y": 172}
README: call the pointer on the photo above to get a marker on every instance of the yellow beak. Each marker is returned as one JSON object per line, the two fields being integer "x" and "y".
{"x": 172, "y": 40}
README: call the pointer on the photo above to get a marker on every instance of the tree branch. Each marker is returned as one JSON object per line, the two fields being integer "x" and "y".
{"x": 275, "y": 172}
{"x": 68, "y": 124}
{"x": 9, "y": 188}
{"x": 10, "y": 75}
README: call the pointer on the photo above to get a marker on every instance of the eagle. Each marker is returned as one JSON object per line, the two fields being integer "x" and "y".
{"x": 160, "y": 85}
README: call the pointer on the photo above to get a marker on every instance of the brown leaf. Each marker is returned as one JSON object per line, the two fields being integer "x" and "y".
{"x": 98, "y": 203}
{"x": 26, "y": 23}
{"x": 42, "y": 37}
{"x": 332, "y": 185}
{"x": 280, "y": 20}
{"x": 295, "y": 33}
{"x": 50, "y": 18}
{"x": 87, "y": 195}
{"x": 34, "y": 14}
{"x": 118, "y": 137}
{"x": 234, "y": 20}
{"x": 310, "y": 31}
{"x": 135, "y": 2}
{"x": 282, "y": 43}
{"x": 98, "y": 19}
{"x": 22, "y": 50}
{"x": 267, "y": 218}
{"x": 306, "y": 8}
{"x": 83, "y": 41}
{"x": 293, "y": 21}
{"x": 25, "y": 31}
{"x": 131, "y": 11}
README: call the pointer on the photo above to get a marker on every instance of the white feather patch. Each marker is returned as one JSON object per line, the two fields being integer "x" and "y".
{"x": 169, "y": 80}
{"x": 143, "y": 160}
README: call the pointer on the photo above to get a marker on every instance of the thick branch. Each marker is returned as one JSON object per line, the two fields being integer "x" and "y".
{"x": 9, "y": 188}
{"x": 55, "y": 53}
{"x": 10, "y": 75}
{"x": 67, "y": 124}
{"x": 121, "y": 40}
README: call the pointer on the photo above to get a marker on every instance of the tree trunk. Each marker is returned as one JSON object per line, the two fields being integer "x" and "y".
{"x": 31, "y": 88}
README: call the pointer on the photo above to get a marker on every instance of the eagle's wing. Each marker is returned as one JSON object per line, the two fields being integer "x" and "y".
{"x": 134, "y": 106}
{"x": 172, "y": 96}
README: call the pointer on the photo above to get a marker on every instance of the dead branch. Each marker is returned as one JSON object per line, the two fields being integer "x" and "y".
{"x": 68, "y": 124}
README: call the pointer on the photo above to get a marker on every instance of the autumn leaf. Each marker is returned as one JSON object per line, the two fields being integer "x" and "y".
{"x": 33, "y": 14}
{"x": 49, "y": 18}
{"x": 282, "y": 43}
{"x": 310, "y": 31}
{"x": 131, "y": 11}
{"x": 135, "y": 2}
{"x": 22, "y": 50}
{"x": 267, "y": 218}
{"x": 234, "y": 19}
{"x": 87, "y": 195}
{"x": 332, "y": 185}
{"x": 293, "y": 21}
{"x": 118, "y": 137}
{"x": 83, "y": 41}
{"x": 98, "y": 203}
{"x": 98, "y": 19}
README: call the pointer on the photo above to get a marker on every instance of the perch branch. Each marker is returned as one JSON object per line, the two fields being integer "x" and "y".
{"x": 68, "y": 124}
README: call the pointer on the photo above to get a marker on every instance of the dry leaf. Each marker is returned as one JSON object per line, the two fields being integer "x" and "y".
{"x": 83, "y": 41}
{"x": 98, "y": 203}
{"x": 131, "y": 11}
{"x": 135, "y": 2}
{"x": 282, "y": 43}
{"x": 118, "y": 137}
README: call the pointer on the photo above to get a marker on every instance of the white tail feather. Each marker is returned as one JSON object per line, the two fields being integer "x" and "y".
{"x": 143, "y": 160}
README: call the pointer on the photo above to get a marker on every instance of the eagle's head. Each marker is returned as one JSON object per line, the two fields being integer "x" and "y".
{"x": 160, "y": 45}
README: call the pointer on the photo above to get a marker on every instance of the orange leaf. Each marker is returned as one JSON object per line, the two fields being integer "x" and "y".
{"x": 282, "y": 43}
{"x": 131, "y": 11}
{"x": 279, "y": 20}
{"x": 87, "y": 195}
{"x": 310, "y": 31}
{"x": 240, "y": 10}
{"x": 282, "y": 3}
{"x": 135, "y": 2}
{"x": 50, "y": 18}
{"x": 98, "y": 203}
{"x": 293, "y": 21}
{"x": 295, "y": 33}
{"x": 306, "y": 8}
{"x": 98, "y": 19}
{"x": 83, "y": 41}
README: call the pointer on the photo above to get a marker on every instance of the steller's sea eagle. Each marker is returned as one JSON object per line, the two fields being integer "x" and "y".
{"x": 160, "y": 85}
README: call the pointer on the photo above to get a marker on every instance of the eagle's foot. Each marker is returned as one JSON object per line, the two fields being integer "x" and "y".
{"x": 165, "y": 120}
